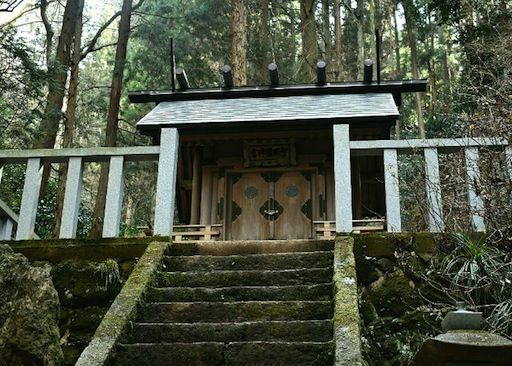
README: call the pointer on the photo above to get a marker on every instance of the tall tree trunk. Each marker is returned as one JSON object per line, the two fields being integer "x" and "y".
{"x": 293, "y": 38}
{"x": 398, "y": 68}
{"x": 58, "y": 76}
{"x": 69, "y": 119}
{"x": 443, "y": 43}
{"x": 309, "y": 39}
{"x": 432, "y": 68}
{"x": 326, "y": 31}
{"x": 263, "y": 48}
{"x": 239, "y": 42}
{"x": 113, "y": 112}
{"x": 360, "y": 39}
{"x": 409, "y": 20}
{"x": 373, "y": 26}
{"x": 337, "y": 40}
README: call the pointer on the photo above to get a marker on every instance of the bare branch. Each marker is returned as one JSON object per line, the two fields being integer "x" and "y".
{"x": 9, "y": 6}
{"x": 20, "y": 15}
{"x": 49, "y": 31}
{"x": 91, "y": 46}
{"x": 102, "y": 47}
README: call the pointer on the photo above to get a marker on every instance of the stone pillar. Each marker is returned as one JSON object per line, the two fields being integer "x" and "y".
{"x": 342, "y": 179}
{"x": 166, "y": 184}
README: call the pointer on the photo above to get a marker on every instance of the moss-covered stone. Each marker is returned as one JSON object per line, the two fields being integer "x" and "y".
{"x": 58, "y": 250}
{"x": 29, "y": 310}
{"x": 395, "y": 295}
{"x": 346, "y": 313}
{"x": 124, "y": 308}
{"x": 86, "y": 283}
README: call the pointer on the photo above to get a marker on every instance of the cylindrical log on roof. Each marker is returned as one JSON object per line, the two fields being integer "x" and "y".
{"x": 274, "y": 75}
{"x": 368, "y": 71}
{"x": 321, "y": 74}
{"x": 181, "y": 76}
{"x": 227, "y": 75}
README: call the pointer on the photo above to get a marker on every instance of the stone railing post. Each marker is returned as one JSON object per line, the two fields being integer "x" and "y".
{"x": 71, "y": 204}
{"x": 6, "y": 228}
{"x": 342, "y": 179}
{"x": 166, "y": 184}
{"x": 392, "y": 188}
{"x": 433, "y": 188}
{"x": 29, "y": 200}
{"x": 476, "y": 203}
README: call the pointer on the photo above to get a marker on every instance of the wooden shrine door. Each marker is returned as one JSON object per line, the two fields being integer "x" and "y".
{"x": 270, "y": 205}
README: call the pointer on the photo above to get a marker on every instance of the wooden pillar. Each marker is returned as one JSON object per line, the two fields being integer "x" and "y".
{"x": 196, "y": 187}
{"x": 206, "y": 194}
{"x": 358, "y": 197}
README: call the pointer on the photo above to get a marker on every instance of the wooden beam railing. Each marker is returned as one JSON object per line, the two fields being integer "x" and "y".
{"x": 430, "y": 149}
{"x": 186, "y": 233}
{"x": 327, "y": 229}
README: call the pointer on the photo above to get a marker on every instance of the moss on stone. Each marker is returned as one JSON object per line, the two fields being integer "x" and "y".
{"x": 395, "y": 295}
{"x": 58, "y": 250}
{"x": 85, "y": 283}
{"x": 124, "y": 308}
{"x": 346, "y": 313}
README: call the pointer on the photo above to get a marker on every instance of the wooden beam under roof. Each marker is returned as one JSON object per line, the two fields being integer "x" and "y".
{"x": 394, "y": 87}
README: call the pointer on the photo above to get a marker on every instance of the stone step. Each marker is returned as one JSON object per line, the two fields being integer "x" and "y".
{"x": 244, "y": 247}
{"x": 226, "y": 354}
{"x": 284, "y": 331}
{"x": 189, "y": 312}
{"x": 277, "y": 261}
{"x": 244, "y": 278}
{"x": 319, "y": 292}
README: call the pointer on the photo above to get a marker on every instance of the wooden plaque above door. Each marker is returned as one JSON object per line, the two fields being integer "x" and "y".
{"x": 269, "y": 153}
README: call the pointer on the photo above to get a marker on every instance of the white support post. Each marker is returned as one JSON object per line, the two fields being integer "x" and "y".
{"x": 71, "y": 204}
{"x": 476, "y": 204}
{"x": 508, "y": 161}
{"x": 6, "y": 227}
{"x": 1, "y": 172}
{"x": 342, "y": 179}
{"x": 433, "y": 189}
{"x": 30, "y": 199}
{"x": 166, "y": 184}
{"x": 391, "y": 183}
{"x": 114, "y": 199}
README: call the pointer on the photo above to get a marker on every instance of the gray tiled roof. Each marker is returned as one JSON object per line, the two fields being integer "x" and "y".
{"x": 341, "y": 106}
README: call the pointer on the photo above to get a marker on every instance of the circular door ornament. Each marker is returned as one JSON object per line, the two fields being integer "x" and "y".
{"x": 292, "y": 191}
{"x": 250, "y": 192}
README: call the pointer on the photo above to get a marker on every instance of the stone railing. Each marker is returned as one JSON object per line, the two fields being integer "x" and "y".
{"x": 75, "y": 159}
{"x": 166, "y": 154}
{"x": 430, "y": 149}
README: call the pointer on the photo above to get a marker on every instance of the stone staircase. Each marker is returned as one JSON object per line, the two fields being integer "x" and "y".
{"x": 237, "y": 303}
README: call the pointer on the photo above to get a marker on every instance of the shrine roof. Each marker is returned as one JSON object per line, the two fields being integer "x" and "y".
{"x": 327, "y": 108}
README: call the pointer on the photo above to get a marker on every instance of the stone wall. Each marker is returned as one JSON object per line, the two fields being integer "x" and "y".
{"x": 394, "y": 318}
{"x": 87, "y": 275}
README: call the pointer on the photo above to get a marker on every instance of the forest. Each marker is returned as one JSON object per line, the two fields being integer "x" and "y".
{"x": 66, "y": 67}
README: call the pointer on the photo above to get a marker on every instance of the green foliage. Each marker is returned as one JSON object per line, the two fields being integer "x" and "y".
{"x": 22, "y": 86}
{"x": 478, "y": 271}
{"x": 109, "y": 272}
